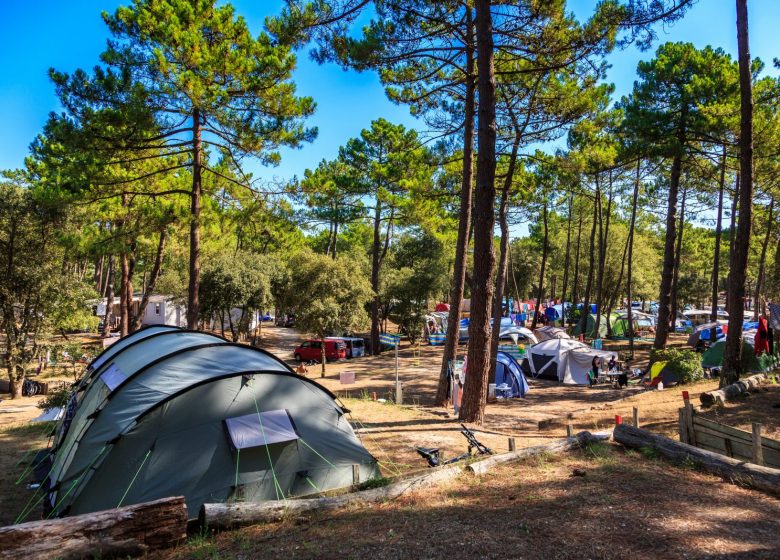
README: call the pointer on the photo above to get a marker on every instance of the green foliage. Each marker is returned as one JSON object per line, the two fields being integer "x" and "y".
{"x": 57, "y": 398}
{"x": 417, "y": 275}
{"x": 234, "y": 286}
{"x": 326, "y": 295}
{"x": 686, "y": 364}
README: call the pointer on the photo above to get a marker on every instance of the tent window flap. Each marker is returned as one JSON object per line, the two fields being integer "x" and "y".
{"x": 264, "y": 428}
{"x": 113, "y": 377}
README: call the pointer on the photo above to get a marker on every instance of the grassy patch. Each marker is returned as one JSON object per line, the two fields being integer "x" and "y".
{"x": 378, "y": 482}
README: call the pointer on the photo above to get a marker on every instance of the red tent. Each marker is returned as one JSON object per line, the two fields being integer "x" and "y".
{"x": 442, "y": 307}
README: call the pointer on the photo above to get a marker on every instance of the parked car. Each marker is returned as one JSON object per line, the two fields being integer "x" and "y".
{"x": 311, "y": 350}
{"x": 356, "y": 347}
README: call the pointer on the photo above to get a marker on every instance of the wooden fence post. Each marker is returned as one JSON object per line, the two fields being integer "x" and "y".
{"x": 689, "y": 418}
{"x": 569, "y": 430}
{"x": 636, "y": 417}
{"x": 758, "y": 452}
{"x": 511, "y": 444}
{"x": 682, "y": 426}
{"x": 355, "y": 474}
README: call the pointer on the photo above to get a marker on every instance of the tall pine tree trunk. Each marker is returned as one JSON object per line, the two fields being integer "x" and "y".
{"x": 566, "y": 259}
{"x": 583, "y": 322}
{"x": 575, "y": 289}
{"x": 124, "y": 305}
{"x": 107, "y": 318}
{"x": 540, "y": 289}
{"x": 732, "y": 234}
{"x": 475, "y": 389}
{"x": 464, "y": 226}
{"x": 503, "y": 258}
{"x": 375, "y": 265}
{"x": 732, "y": 363}
{"x": 603, "y": 245}
{"x": 677, "y": 256}
{"x": 716, "y": 254}
{"x": 153, "y": 276}
{"x": 630, "y": 272}
{"x": 667, "y": 273}
{"x": 193, "y": 292}
{"x": 762, "y": 261}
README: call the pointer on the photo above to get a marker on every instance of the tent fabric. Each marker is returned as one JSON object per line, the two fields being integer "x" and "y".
{"x": 590, "y": 329}
{"x": 508, "y": 371}
{"x": 565, "y": 360}
{"x": 258, "y": 429}
{"x": 549, "y": 333}
{"x": 520, "y": 334}
{"x": 713, "y": 357}
{"x": 703, "y": 332}
{"x": 162, "y": 431}
{"x": 123, "y": 342}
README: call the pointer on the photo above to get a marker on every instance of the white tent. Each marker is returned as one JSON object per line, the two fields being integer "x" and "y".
{"x": 566, "y": 360}
{"x": 550, "y": 333}
{"x": 520, "y": 334}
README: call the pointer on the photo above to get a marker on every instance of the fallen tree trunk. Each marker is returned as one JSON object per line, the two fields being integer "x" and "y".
{"x": 226, "y": 516}
{"x": 733, "y": 470}
{"x": 129, "y": 530}
{"x": 741, "y": 387}
{"x": 558, "y": 446}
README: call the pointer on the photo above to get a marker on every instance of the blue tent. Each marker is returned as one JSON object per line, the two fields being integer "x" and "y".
{"x": 508, "y": 372}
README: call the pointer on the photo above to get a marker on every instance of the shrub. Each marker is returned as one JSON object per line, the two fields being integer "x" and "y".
{"x": 56, "y": 398}
{"x": 686, "y": 364}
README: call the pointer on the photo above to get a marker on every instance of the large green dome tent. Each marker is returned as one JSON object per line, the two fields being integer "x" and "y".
{"x": 713, "y": 357}
{"x": 177, "y": 412}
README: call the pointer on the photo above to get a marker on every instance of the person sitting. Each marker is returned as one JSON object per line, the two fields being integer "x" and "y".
{"x": 594, "y": 371}
{"x": 612, "y": 365}
{"x": 302, "y": 370}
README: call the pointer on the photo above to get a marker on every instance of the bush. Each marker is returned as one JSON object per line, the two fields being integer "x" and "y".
{"x": 56, "y": 398}
{"x": 686, "y": 364}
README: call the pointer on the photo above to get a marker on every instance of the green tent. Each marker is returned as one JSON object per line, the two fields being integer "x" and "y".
{"x": 591, "y": 327}
{"x": 713, "y": 357}
{"x": 171, "y": 412}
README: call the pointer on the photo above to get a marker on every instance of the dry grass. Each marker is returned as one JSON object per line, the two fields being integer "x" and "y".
{"x": 624, "y": 507}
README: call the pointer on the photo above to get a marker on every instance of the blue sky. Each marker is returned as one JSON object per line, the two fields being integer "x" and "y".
{"x": 68, "y": 35}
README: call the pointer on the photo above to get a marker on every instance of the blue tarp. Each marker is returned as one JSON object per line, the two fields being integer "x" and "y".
{"x": 508, "y": 371}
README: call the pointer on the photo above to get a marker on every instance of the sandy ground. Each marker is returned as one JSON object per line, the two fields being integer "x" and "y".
{"x": 393, "y": 432}
{"x": 623, "y": 506}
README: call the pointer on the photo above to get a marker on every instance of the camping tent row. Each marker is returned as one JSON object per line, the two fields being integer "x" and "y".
{"x": 436, "y": 330}
{"x": 169, "y": 412}
{"x": 713, "y": 356}
{"x": 561, "y": 359}
{"x": 618, "y": 322}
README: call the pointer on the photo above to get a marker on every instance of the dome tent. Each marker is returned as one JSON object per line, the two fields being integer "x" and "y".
{"x": 179, "y": 412}
{"x": 713, "y": 357}
{"x": 561, "y": 359}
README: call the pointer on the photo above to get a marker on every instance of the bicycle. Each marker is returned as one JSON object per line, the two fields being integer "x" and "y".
{"x": 434, "y": 458}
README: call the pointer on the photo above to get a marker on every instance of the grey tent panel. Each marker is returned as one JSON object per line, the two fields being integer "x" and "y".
{"x": 258, "y": 429}
{"x": 179, "y": 445}
{"x": 123, "y": 342}
{"x": 166, "y": 377}
{"x": 130, "y": 360}
{"x": 113, "y": 377}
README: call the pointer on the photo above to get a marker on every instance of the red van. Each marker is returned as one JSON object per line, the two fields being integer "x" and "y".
{"x": 311, "y": 350}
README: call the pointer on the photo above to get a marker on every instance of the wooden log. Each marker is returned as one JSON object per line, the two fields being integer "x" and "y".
{"x": 741, "y": 387}
{"x": 558, "y": 446}
{"x": 227, "y": 516}
{"x": 130, "y": 530}
{"x": 232, "y": 515}
{"x": 733, "y": 470}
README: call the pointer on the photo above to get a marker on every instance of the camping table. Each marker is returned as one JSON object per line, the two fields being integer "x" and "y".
{"x": 613, "y": 377}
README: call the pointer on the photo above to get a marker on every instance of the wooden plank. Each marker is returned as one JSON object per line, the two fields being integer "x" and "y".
{"x": 689, "y": 422}
{"x": 758, "y": 452}
{"x": 756, "y": 476}
{"x": 681, "y": 427}
{"x": 735, "y": 433}
{"x": 635, "y": 412}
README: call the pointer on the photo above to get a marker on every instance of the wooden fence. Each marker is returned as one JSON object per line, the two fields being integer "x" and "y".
{"x": 726, "y": 440}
